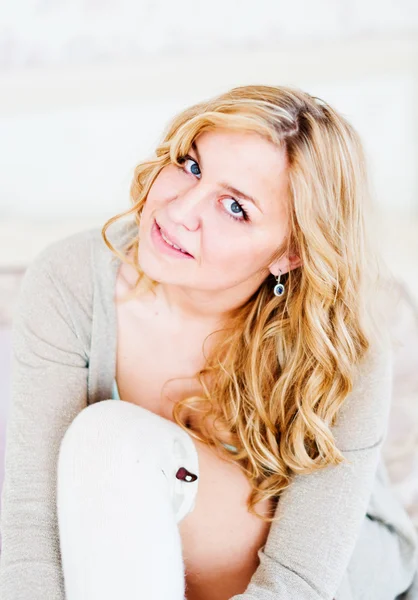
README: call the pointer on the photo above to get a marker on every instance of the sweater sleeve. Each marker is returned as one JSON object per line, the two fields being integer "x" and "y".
{"x": 49, "y": 387}
{"x": 308, "y": 550}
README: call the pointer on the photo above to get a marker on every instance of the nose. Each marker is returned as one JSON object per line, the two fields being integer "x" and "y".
{"x": 187, "y": 207}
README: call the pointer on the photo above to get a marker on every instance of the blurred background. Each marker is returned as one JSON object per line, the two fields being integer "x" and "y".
{"x": 87, "y": 87}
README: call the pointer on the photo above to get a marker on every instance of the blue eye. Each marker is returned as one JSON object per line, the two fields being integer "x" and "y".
{"x": 237, "y": 205}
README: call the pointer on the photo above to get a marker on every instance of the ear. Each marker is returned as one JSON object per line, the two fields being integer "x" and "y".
{"x": 285, "y": 264}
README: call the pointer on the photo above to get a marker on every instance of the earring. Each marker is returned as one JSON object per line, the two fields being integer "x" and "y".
{"x": 279, "y": 287}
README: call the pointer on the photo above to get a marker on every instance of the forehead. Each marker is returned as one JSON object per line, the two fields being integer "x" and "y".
{"x": 247, "y": 161}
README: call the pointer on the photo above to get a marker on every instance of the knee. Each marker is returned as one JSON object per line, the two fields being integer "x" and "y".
{"x": 85, "y": 441}
{"x": 107, "y": 425}
{"x": 124, "y": 443}
{"x": 108, "y": 439}
{"x": 92, "y": 426}
{"x": 122, "y": 429}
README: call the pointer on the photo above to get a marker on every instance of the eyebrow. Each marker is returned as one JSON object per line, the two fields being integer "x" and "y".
{"x": 228, "y": 186}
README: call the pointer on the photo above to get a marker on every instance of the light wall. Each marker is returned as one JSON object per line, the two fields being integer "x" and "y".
{"x": 71, "y": 136}
{"x": 87, "y": 88}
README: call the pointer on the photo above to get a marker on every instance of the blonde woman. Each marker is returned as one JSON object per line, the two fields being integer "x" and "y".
{"x": 236, "y": 317}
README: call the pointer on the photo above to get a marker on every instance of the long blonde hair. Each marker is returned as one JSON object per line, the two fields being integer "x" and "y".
{"x": 284, "y": 365}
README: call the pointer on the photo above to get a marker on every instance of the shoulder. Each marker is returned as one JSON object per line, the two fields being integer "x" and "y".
{"x": 77, "y": 260}
{"x": 69, "y": 280}
{"x": 363, "y": 418}
{"x": 77, "y": 254}
{"x": 73, "y": 260}
{"x": 69, "y": 270}
{"x": 68, "y": 253}
{"x": 63, "y": 266}
{"x": 57, "y": 288}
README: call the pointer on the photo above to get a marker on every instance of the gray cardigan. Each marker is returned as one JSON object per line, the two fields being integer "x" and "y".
{"x": 64, "y": 358}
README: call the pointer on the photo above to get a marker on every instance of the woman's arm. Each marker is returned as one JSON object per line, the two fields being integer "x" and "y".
{"x": 49, "y": 387}
{"x": 308, "y": 550}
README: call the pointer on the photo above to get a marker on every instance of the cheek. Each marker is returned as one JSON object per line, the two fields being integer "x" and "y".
{"x": 156, "y": 196}
{"x": 234, "y": 252}
{"x": 164, "y": 188}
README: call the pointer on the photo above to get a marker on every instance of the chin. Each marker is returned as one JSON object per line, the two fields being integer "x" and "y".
{"x": 154, "y": 269}
{"x": 150, "y": 268}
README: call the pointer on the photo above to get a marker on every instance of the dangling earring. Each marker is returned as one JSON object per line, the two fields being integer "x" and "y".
{"x": 279, "y": 287}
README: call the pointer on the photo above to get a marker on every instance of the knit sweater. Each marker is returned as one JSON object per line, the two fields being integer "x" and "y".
{"x": 64, "y": 358}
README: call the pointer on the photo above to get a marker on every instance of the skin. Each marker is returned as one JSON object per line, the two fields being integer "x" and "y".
{"x": 194, "y": 296}
{"x": 231, "y": 257}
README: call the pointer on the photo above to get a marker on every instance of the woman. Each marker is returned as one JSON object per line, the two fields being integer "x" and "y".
{"x": 236, "y": 315}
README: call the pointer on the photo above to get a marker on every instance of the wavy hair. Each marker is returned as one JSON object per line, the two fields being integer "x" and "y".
{"x": 284, "y": 364}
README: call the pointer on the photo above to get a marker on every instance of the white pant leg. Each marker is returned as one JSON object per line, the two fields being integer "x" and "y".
{"x": 119, "y": 502}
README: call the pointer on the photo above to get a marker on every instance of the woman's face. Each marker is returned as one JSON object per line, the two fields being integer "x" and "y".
{"x": 230, "y": 238}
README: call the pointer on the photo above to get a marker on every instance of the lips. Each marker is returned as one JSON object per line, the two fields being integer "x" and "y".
{"x": 172, "y": 240}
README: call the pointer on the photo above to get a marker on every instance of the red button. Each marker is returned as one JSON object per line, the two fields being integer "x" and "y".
{"x": 185, "y": 475}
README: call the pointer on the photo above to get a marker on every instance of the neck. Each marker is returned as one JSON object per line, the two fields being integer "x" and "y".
{"x": 208, "y": 308}
{"x": 185, "y": 306}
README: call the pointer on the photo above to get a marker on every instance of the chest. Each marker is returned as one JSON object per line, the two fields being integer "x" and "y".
{"x": 151, "y": 370}
{"x": 156, "y": 364}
